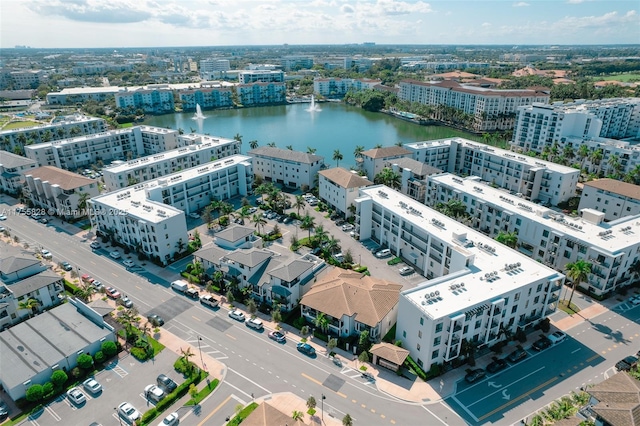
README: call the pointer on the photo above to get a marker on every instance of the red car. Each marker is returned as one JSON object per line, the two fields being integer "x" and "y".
{"x": 113, "y": 293}
{"x": 87, "y": 278}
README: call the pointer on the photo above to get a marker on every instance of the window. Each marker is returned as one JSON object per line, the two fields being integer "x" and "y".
{"x": 536, "y": 299}
{"x": 539, "y": 289}
{"x": 404, "y": 334}
{"x": 567, "y": 254}
{"x": 517, "y": 297}
{"x": 435, "y": 354}
{"x": 478, "y": 324}
{"x": 438, "y": 328}
{"x": 518, "y": 222}
{"x": 421, "y": 321}
{"x": 418, "y": 346}
{"x": 419, "y": 334}
{"x": 514, "y": 309}
{"x": 436, "y": 341}
{"x": 545, "y": 234}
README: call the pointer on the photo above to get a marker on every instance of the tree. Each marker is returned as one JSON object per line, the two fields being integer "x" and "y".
{"x": 297, "y": 415}
{"x": 364, "y": 338}
{"x": 357, "y": 152}
{"x": 311, "y": 403}
{"x": 59, "y": 378}
{"x": 332, "y": 344}
{"x": 186, "y": 354}
{"x": 307, "y": 223}
{"x": 337, "y": 156}
{"x": 347, "y": 420}
{"x": 311, "y": 150}
{"x": 229, "y": 296}
{"x": 258, "y": 221}
{"x": 578, "y": 272}
{"x": 509, "y": 239}
{"x": 276, "y": 313}
{"x": 109, "y": 348}
{"x": 299, "y": 203}
{"x": 30, "y": 304}
{"x": 363, "y": 357}
{"x": 321, "y": 321}
{"x": 320, "y": 234}
{"x": 253, "y": 144}
{"x": 389, "y": 178}
{"x": 85, "y": 361}
{"x": 34, "y": 393}
{"x": 82, "y": 203}
{"x": 251, "y": 306}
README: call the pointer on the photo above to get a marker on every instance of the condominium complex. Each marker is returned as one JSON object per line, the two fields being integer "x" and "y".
{"x": 22, "y": 79}
{"x": 296, "y": 62}
{"x": 545, "y": 235}
{"x": 338, "y": 187}
{"x": 154, "y": 101}
{"x": 214, "y": 68}
{"x": 413, "y": 175}
{"x": 199, "y": 149}
{"x": 333, "y": 87}
{"x": 492, "y": 109}
{"x": 66, "y": 127}
{"x": 376, "y": 159}
{"x": 261, "y": 93}
{"x": 260, "y": 76}
{"x": 475, "y": 287}
{"x": 12, "y": 170}
{"x": 150, "y": 217}
{"x": 285, "y": 166}
{"x": 613, "y": 198}
{"x": 535, "y": 179}
{"x": 81, "y": 94}
{"x": 108, "y": 146}
{"x": 212, "y": 95}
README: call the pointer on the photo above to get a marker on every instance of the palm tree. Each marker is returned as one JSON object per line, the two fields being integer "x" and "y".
{"x": 332, "y": 245}
{"x": 311, "y": 150}
{"x": 321, "y": 321}
{"x": 259, "y": 221}
{"x": 82, "y": 201}
{"x": 399, "y": 143}
{"x": 290, "y": 147}
{"x": 297, "y": 415}
{"x": 596, "y": 158}
{"x": 299, "y": 203}
{"x": 271, "y": 144}
{"x": 578, "y": 272}
{"x": 307, "y": 223}
{"x": 509, "y": 239}
{"x": 337, "y": 156}
{"x": 238, "y": 137}
{"x": 357, "y": 153}
{"x": 85, "y": 292}
{"x": 253, "y": 144}
{"x": 30, "y": 304}
{"x": 185, "y": 358}
{"x": 389, "y": 178}
{"x": 320, "y": 234}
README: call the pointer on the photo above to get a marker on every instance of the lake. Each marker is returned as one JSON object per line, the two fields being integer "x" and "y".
{"x": 336, "y": 126}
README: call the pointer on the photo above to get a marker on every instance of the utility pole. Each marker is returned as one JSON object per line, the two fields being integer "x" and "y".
{"x": 322, "y": 405}
{"x": 199, "y": 349}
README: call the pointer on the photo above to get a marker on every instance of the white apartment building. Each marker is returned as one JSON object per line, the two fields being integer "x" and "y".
{"x": 338, "y": 187}
{"x": 74, "y": 95}
{"x": 213, "y": 95}
{"x": 413, "y": 175}
{"x": 376, "y": 159}
{"x": 475, "y": 286}
{"x": 154, "y": 101}
{"x": 296, "y": 62}
{"x": 120, "y": 144}
{"x": 285, "y": 166}
{"x": 333, "y": 87}
{"x": 613, "y": 198}
{"x": 545, "y": 235}
{"x": 196, "y": 150}
{"x": 261, "y": 93}
{"x": 150, "y": 216}
{"x": 67, "y": 127}
{"x": 213, "y": 68}
{"x": 492, "y": 109}
{"x": 59, "y": 191}
{"x": 260, "y": 76}
{"x": 12, "y": 170}
{"x": 27, "y": 79}
{"x": 535, "y": 179}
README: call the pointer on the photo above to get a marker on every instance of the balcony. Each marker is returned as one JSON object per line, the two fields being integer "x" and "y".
{"x": 553, "y": 298}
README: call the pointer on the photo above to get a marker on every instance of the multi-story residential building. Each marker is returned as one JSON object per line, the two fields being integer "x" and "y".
{"x": 207, "y": 96}
{"x": 120, "y": 144}
{"x": 59, "y": 191}
{"x": 260, "y": 76}
{"x": 545, "y": 235}
{"x": 150, "y": 217}
{"x": 261, "y": 93}
{"x": 296, "y": 62}
{"x": 67, "y": 127}
{"x": 374, "y": 310}
{"x": 196, "y": 150}
{"x": 338, "y": 187}
{"x": 492, "y": 109}
{"x": 338, "y": 87}
{"x": 214, "y": 68}
{"x": 26, "y": 79}
{"x": 413, "y": 176}
{"x": 376, "y": 159}
{"x": 81, "y": 94}
{"x": 535, "y": 179}
{"x": 291, "y": 168}
{"x": 12, "y": 170}
{"x": 151, "y": 100}
{"x": 613, "y": 198}
{"x": 469, "y": 294}
{"x": 358, "y": 63}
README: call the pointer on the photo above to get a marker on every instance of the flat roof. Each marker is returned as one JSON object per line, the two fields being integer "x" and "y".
{"x": 70, "y": 119}
{"x": 83, "y": 138}
{"x": 489, "y": 257}
{"x": 574, "y": 227}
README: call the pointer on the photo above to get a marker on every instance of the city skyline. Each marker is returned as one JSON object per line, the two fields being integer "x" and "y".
{"x": 145, "y": 23}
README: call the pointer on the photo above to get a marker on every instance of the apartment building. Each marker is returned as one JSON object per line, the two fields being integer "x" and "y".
{"x": 152, "y": 101}
{"x": 492, "y": 109}
{"x": 261, "y": 93}
{"x": 475, "y": 286}
{"x": 213, "y": 95}
{"x": 150, "y": 216}
{"x": 196, "y": 150}
{"x": 75, "y": 95}
{"x": 26, "y": 79}
{"x": 260, "y": 76}
{"x": 12, "y": 170}
{"x": 413, "y": 175}
{"x": 120, "y": 144}
{"x": 547, "y": 236}
{"x": 535, "y": 179}
{"x": 64, "y": 128}
{"x": 214, "y": 68}
{"x": 285, "y": 166}
{"x": 338, "y": 187}
{"x": 59, "y": 191}
{"x": 333, "y": 87}
{"x": 296, "y": 62}
{"x": 376, "y": 159}
{"x": 613, "y": 198}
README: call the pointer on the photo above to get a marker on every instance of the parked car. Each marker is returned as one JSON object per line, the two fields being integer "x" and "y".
{"x": 383, "y": 253}
{"x": 497, "y": 365}
{"x": 153, "y": 392}
{"x": 126, "y": 302}
{"x": 406, "y": 270}
{"x": 166, "y": 383}
{"x": 194, "y": 215}
{"x": 129, "y": 412}
{"x": 475, "y": 375}
{"x": 192, "y": 293}
{"x": 128, "y": 263}
{"x": 627, "y": 363}
{"x": 115, "y": 254}
{"x": 340, "y": 222}
{"x": 44, "y": 220}
{"x": 237, "y": 315}
{"x": 95, "y": 245}
{"x": 272, "y": 215}
{"x": 277, "y": 336}
{"x": 3, "y": 217}
{"x": 46, "y": 254}
{"x": 171, "y": 420}
{"x": 252, "y": 210}
{"x": 92, "y": 386}
{"x": 66, "y": 266}
{"x": 266, "y": 214}
{"x": 347, "y": 227}
{"x": 87, "y": 278}
{"x": 517, "y": 355}
{"x": 254, "y": 323}
{"x": 209, "y": 300}
{"x": 306, "y": 349}
{"x": 287, "y": 220}
{"x": 542, "y": 343}
{"x": 635, "y": 300}
{"x": 113, "y": 293}
{"x": 76, "y": 396}
{"x": 557, "y": 337}
{"x": 97, "y": 284}
{"x": 156, "y": 320}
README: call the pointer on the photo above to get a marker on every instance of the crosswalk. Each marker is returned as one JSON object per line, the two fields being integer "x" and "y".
{"x": 357, "y": 375}
{"x": 206, "y": 348}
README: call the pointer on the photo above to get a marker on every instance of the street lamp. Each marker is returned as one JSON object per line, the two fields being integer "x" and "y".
{"x": 199, "y": 349}
{"x": 322, "y": 405}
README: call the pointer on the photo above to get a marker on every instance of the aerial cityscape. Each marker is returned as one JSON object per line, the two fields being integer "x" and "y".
{"x": 330, "y": 213}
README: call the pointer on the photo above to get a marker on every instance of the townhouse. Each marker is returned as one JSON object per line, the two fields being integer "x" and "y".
{"x": 338, "y": 187}
{"x": 12, "y": 170}
{"x": 613, "y": 198}
{"x": 548, "y": 236}
{"x": 150, "y": 100}
{"x": 475, "y": 286}
{"x": 285, "y": 166}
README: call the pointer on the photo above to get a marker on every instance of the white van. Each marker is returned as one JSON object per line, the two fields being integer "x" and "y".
{"x": 254, "y": 323}
{"x": 180, "y": 286}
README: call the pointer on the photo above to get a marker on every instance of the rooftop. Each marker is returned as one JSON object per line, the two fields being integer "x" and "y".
{"x": 619, "y": 399}
{"x": 63, "y": 178}
{"x": 616, "y": 187}
{"x": 9, "y": 160}
{"x": 450, "y": 84}
{"x": 285, "y": 154}
{"x": 344, "y": 178}
{"x": 235, "y": 233}
{"x": 387, "y": 151}
{"x": 79, "y": 139}
{"x": 484, "y": 279}
{"x": 33, "y": 283}
{"x": 417, "y": 167}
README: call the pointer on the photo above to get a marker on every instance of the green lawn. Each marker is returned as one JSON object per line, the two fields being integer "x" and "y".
{"x": 625, "y": 78}
{"x": 204, "y": 392}
{"x": 20, "y": 124}
{"x": 243, "y": 414}
{"x": 157, "y": 346}
{"x": 570, "y": 310}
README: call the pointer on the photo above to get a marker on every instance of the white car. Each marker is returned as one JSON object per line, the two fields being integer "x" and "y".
{"x": 557, "y": 337}
{"x": 209, "y": 300}
{"x": 76, "y": 396}
{"x": 254, "y": 323}
{"x": 635, "y": 300}
{"x": 46, "y": 254}
{"x": 194, "y": 215}
{"x": 129, "y": 263}
{"x": 115, "y": 254}
{"x": 252, "y": 210}
{"x": 153, "y": 392}
{"x": 92, "y": 385}
{"x": 406, "y": 270}
{"x": 347, "y": 227}
{"x": 171, "y": 420}
{"x": 237, "y": 315}
{"x": 3, "y": 217}
{"x": 383, "y": 253}
{"x": 95, "y": 245}
{"x": 128, "y": 411}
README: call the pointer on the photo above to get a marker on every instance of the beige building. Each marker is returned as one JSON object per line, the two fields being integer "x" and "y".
{"x": 12, "y": 170}
{"x": 374, "y": 160}
{"x": 612, "y": 197}
{"x": 338, "y": 187}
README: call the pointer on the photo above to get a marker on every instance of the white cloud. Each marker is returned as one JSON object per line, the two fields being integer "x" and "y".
{"x": 486, "y": 24}
{"x": 347, "y": 8}
{"x": 521, "y": 4}
{"x": 610, "y": 19}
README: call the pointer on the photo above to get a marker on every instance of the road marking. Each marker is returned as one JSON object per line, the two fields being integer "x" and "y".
{"x": 231, "y": 337}
{"x": 53, "y": 413}
{"x": 354, "y": 401}
{"x": 341, "y": 394}
{"x": 594, "y": 357}
{"x": 505, "y": 395}
{"x": 430, "y": 412}
{"x": 363, "y": 406}
{"x": 373, "y": 410}
{"x": 215, "y": 410}
{"x": 573, "y": 352}
{"x": 524, "y": 395}
{"x": 464, "y": 407}
{"x": 196, "y": 318}
{"x": 318, "y": 382}
{"x": 382, "y": 416}
{"x": 506, "y": 386}
{"x": 393, "y": 422}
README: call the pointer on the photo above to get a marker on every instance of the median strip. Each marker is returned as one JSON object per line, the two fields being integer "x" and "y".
{"x": 524, "y": 395}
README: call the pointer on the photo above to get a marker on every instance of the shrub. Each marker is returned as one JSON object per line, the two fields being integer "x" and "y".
{"x": 99, "y": 357}
{"x": 34, "y": 393}
{"x": 411, "y": 364}
{"x": 139, "y": 353}
{"x": 59, "y": 378}
{"x": 47, "y": 390}
{"x": 109, "y": 348}
{"x": 73, "y": 289}
{"x": 85, "y": 361}
{"x": 76, "y": 373}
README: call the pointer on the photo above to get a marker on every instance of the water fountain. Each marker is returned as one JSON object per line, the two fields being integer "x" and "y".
{"x": 313, "y": 107}
{"x": 199, "y": 115}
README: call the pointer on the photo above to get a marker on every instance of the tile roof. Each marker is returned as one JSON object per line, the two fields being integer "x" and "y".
{"x": 249, "y": 258}
{"x": 619, "y": 400}
{"x": 10, "y": 160}
{"x": 344, "y": 178}
{"x": 341, "y": 292}
{"x": 387, "y": 151}
{"x": 65, "y": 179}
{"x": 417, "y": 167}
{"x": 267, "y": 415}
{"x": 390, "y": 352}
{"x": 292, "y": 270}
{"x": 617, "y": 187}
{"x": 285, "y": 154}
{"x": 12, "y": 264}
{"x": 234, "y": 233}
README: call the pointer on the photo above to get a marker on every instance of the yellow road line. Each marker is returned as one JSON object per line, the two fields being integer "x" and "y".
{"x": 382, "y": 416}
{"x": 593, "y": 357}
{"x": 196, "y": 318}
{"x": 231, "y": 337}
{"x": 215, "y": 410}
{"x": 312, "y": 379}
{"x": 524, "y": 395}
{"x": 341, "y": 394}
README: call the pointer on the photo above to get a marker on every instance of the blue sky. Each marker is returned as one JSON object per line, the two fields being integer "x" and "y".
{"x": 146, "y": 23}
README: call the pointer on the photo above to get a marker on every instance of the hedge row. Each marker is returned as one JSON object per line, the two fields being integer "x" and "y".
{"x": 416, "y": 368}
{"x": 71, "y": 288}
